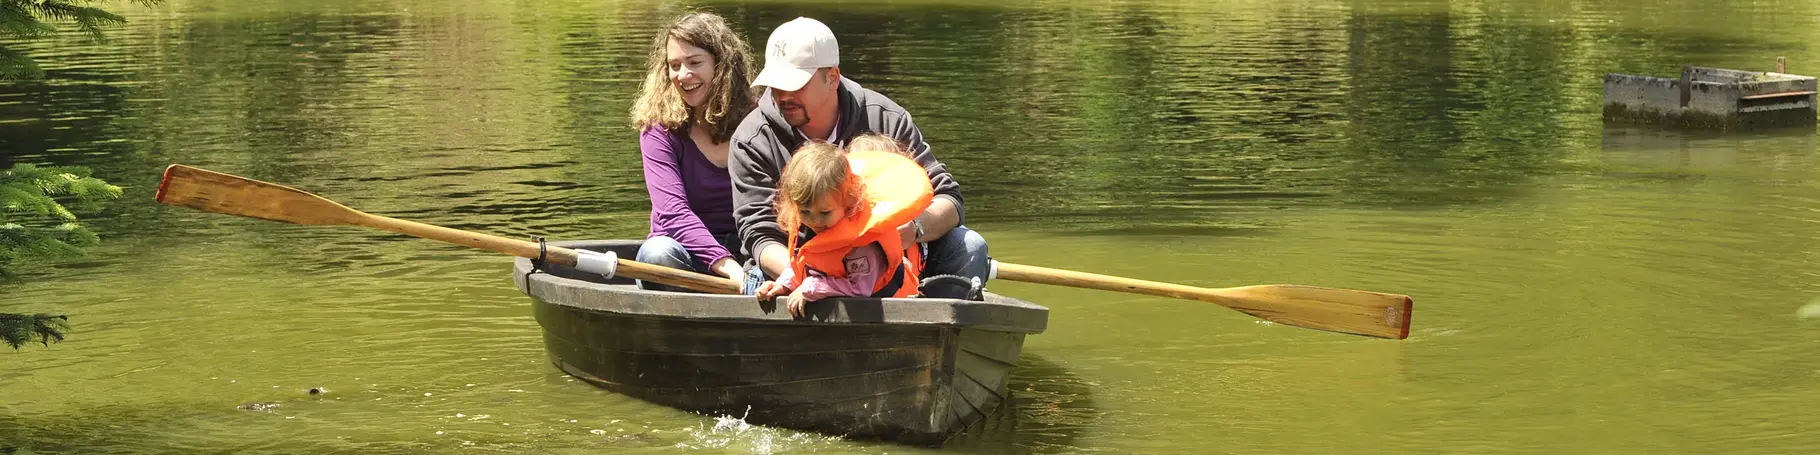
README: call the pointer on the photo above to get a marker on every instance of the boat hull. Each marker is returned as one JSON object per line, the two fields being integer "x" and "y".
{"x": 914, "y": 371}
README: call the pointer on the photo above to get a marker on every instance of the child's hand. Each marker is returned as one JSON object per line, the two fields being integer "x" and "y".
{"x": 796, "y": 303}
{"x": 770, "y": 290}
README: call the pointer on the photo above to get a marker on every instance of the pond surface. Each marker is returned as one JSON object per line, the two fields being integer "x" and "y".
{"x": 1580, "y": 287}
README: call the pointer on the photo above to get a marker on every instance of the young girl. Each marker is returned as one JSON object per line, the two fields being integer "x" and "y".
{"x": 877, "y": 143}
{"x": 851, "y": 204}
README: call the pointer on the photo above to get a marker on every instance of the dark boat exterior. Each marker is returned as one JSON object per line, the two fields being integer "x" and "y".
{"x": 914, "y": 371}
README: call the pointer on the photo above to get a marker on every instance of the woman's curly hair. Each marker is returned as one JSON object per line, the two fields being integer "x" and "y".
{"x": 730, "y": 95}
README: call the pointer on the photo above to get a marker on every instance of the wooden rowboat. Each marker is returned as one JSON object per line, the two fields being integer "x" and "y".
{"x": 914, "y": 371}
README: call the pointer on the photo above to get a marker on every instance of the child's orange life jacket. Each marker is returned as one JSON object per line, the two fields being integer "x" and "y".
{"x": 897, "y": 190}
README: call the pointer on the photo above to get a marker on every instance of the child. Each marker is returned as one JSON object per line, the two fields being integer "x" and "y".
{"x": 852, "y": 205}
{"x": 876, "y": 142}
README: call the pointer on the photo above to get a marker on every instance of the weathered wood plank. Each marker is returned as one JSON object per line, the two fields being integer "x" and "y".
{"x": 999, "y": 346}
{"x": 1778, "y": 95}
{"x": 982, "y": 399}
{"x": 700, "y": 371}
{"x": 657, "y": 335}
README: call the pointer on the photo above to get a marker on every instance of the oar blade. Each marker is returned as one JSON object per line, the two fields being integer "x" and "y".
{"x": 211, "y": 191}
{"x": 1350, "y": 311}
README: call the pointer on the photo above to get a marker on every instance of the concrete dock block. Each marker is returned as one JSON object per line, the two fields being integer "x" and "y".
{"x": 1712, "y": 98}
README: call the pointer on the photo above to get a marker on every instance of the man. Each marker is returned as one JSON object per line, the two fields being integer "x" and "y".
{"x": 808, "y": 100}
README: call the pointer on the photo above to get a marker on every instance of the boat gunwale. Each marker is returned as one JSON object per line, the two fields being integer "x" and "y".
{"x": 997, "y": 313}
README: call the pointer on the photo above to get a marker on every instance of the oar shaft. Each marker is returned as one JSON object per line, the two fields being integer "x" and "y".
{"x": 1070, "y": 278}
{"x": 553, "y": 254}
{"x": 521, "y": 248}
{"x": 679, "y": 277}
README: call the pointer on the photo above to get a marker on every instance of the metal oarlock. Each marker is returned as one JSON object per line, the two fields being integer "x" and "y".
{"x": 543, "y": 249}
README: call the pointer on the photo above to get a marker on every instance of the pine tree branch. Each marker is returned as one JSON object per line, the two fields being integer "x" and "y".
{"x": 36, "y": 223}
{"x": 15, "y": 66}
{"x": 19, "y": 242}
{"x": 28, "y": 19}
{"x": 18, "y": 22}
{"x": 21, "y": 198}
{"x": 18, "y": 329}
{"x": 88, "y": 19}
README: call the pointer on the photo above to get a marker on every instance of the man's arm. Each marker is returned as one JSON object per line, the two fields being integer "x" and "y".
{"x": 754, "y": 173}
{"x": 773, "y": 257}
{"x": 941, "y": 216}
{"x": 946, "y": 211}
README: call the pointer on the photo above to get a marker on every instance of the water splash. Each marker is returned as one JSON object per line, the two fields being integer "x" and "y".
{"x": 736, "y": 434}
{"x": 1809, "y": 311}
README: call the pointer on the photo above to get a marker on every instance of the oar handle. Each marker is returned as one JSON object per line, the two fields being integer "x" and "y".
{"x": 607, "y": 264}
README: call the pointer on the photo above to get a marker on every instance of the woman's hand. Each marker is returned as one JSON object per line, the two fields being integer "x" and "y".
{"x": 795, "y": 304}
{"x": 727, "y": 267}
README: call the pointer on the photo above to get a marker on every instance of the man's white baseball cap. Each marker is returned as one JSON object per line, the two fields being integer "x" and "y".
{"x": 795, "y": 50}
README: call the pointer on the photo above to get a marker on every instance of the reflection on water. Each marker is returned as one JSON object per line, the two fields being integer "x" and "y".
{"x": 1581, "y": 287}
{"x": 1050, "y": 409}
{"x": 1643, "y": 149}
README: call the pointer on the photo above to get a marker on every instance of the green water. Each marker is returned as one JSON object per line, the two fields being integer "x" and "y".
{"x": 1580, "y": 288}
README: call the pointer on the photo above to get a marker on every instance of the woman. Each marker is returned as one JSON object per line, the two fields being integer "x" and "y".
{"x": 698, "y": 87}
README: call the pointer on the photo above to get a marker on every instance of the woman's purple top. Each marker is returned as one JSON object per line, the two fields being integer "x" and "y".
{"x": 691, "y": 198}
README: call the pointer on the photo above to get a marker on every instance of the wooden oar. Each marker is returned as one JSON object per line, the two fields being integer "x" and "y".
{"x": 212, "y": 191}
{"x": 1336, "y": 310}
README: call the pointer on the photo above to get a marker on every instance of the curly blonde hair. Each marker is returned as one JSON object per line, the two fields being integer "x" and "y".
{"x": 730, "y": 96}
{"x": 816, "y": 169}
{"x": 877, "y": 142}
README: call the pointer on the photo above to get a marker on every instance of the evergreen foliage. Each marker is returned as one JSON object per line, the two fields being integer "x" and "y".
{"x": 35, "y": 223}
{"x": 18, "y": 329}
{"x": 22, "y": 20}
